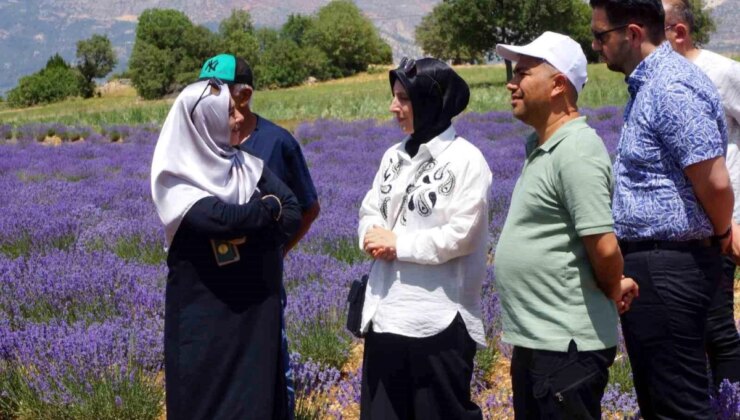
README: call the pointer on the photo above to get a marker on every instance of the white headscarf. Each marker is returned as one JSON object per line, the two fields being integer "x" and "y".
{"x": 193, "y": 159}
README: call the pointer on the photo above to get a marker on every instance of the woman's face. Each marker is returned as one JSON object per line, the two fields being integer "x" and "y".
{"x": 235, "y": 120}
{"x": 401, "y": 108}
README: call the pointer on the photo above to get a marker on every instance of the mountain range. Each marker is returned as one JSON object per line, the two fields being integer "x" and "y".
{"x": 33, "y": 30}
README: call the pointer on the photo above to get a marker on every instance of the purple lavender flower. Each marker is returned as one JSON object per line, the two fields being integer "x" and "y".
{"x": 82, "y": 269}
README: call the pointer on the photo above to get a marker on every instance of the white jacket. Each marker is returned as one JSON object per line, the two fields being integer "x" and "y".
{"x": 442, "y": 238}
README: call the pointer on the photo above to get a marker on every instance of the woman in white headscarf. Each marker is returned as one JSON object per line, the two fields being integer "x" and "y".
{"x": 225, "y": 217}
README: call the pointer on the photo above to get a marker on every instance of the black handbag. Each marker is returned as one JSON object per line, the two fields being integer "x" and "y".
{"x": 355, "y": 303}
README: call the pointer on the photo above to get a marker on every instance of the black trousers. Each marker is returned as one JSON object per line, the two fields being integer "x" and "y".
{"x": 722, "y": 339}
{"x": 665, "y": 328}
{"x": 559, "y": 385}
{"x": 418, "y": 378}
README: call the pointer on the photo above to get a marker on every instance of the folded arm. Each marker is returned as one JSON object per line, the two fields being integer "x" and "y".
{"x": 214, "y": 218}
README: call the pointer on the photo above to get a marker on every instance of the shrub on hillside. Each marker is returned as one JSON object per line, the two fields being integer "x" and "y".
{"x": 337, "y": 41}
{"x": 284, "y": 63}
{"x": 95, "y": 59}
{"x": 237, "y": 36}
{"x": 348, "y": 38}
{"x": 468, "y": 30}
{"x": 295, "y": 28}
{"x": 168, "y": 50}
{"x": 151, "y": 70}
{"x": 57, "y": 81}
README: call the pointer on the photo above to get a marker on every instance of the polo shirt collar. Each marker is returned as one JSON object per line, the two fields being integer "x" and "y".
{"x": 431, "y": 149}
{"x": 556, "y": 137}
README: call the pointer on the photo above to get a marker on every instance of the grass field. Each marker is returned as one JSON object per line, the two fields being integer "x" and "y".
{"x": 360, "y": 97}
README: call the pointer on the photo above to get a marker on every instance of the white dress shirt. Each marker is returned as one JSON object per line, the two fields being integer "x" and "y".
{"x": 442, "y": 238}
{"x": 725, "y": 74}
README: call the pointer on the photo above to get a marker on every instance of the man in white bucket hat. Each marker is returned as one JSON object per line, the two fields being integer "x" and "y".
{"x": 558, "y": 265}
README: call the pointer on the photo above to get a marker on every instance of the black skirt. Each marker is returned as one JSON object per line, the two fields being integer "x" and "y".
{"x": 222, "y": 319}
{"x": 222, "y": 333}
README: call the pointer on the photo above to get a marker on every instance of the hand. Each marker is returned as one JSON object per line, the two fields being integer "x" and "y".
{"x": 628, "y": 290}
{"x": 388, "y": 254}
{"x": 734, "y": 243}
{"x": 380, "y": 243}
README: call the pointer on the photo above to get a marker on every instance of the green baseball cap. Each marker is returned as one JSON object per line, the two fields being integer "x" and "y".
{"x": 228, "y": 68}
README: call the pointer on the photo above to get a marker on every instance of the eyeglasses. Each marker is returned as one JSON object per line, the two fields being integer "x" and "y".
{"x": 213, "y": 82}
{"x": 671, "y": 26}
{"x": 599, "y": 36}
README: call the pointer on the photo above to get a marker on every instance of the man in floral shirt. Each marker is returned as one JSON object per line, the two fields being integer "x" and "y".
{"x": 672, "y": 205}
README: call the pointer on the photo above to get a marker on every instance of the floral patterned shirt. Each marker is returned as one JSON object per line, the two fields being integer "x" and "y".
{"x": 672, "y": 120}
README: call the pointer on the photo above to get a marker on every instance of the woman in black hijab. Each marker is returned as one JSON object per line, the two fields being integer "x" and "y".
{"x": 424, "y": 221}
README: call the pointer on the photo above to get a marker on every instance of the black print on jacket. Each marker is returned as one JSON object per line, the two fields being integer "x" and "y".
{"x": 423, "y": 194}
{"x": 428, "y": 186}
{"x": 390, "y": 173}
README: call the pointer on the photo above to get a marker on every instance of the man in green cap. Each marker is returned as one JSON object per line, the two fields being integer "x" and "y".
{"x": 278, "y": 149}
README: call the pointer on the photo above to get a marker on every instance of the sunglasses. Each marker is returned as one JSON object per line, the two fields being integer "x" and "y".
{"x": 408, "y": 65}
{"x": 599, "y": 36}
{"x": 214, "y": 83}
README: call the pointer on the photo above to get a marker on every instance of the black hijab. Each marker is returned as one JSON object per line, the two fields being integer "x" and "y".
{"x": 437, "y": 94}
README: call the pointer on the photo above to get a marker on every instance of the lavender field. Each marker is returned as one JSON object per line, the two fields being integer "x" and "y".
{"x": 82, "y": 271}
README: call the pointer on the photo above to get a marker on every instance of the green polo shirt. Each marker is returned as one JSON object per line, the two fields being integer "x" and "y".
{"x": 545, "y": 282}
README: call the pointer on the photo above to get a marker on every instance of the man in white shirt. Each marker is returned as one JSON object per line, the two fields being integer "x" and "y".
{"x": 722, "y": 339}
{"x": 425, "y": 221}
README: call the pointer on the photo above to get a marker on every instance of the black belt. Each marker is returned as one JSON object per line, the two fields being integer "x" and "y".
{"x": 649, "y": 245}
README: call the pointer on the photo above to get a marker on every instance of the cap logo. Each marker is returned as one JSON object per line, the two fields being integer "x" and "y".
{"x": 212, "y": 64}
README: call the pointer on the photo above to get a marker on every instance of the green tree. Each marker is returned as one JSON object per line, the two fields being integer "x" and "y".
{"x": 200, "y": 45}
{"x": 95, "y": 59}
{"x": 569, "y": 17}
{"x": 266, "y": 38}
{"x": 152, "y": 70}
{"x": 238, "y": 21}
{"x": 467, "y": 30}
{"x": 349, "y": 39}
{"x": 168, "y": 52}
{"x": 704, "y": 24}
{"x": 436, "y": 36}
{"x": 55, "y": 82}
{"x": 295, "y": 28}
{"x": 284, "y": 63}
{"x": 56, "y": 60}
{"x": 238, "y": 38}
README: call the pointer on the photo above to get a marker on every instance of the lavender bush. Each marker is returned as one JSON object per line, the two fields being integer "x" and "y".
{"x": 82, "y": 271}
